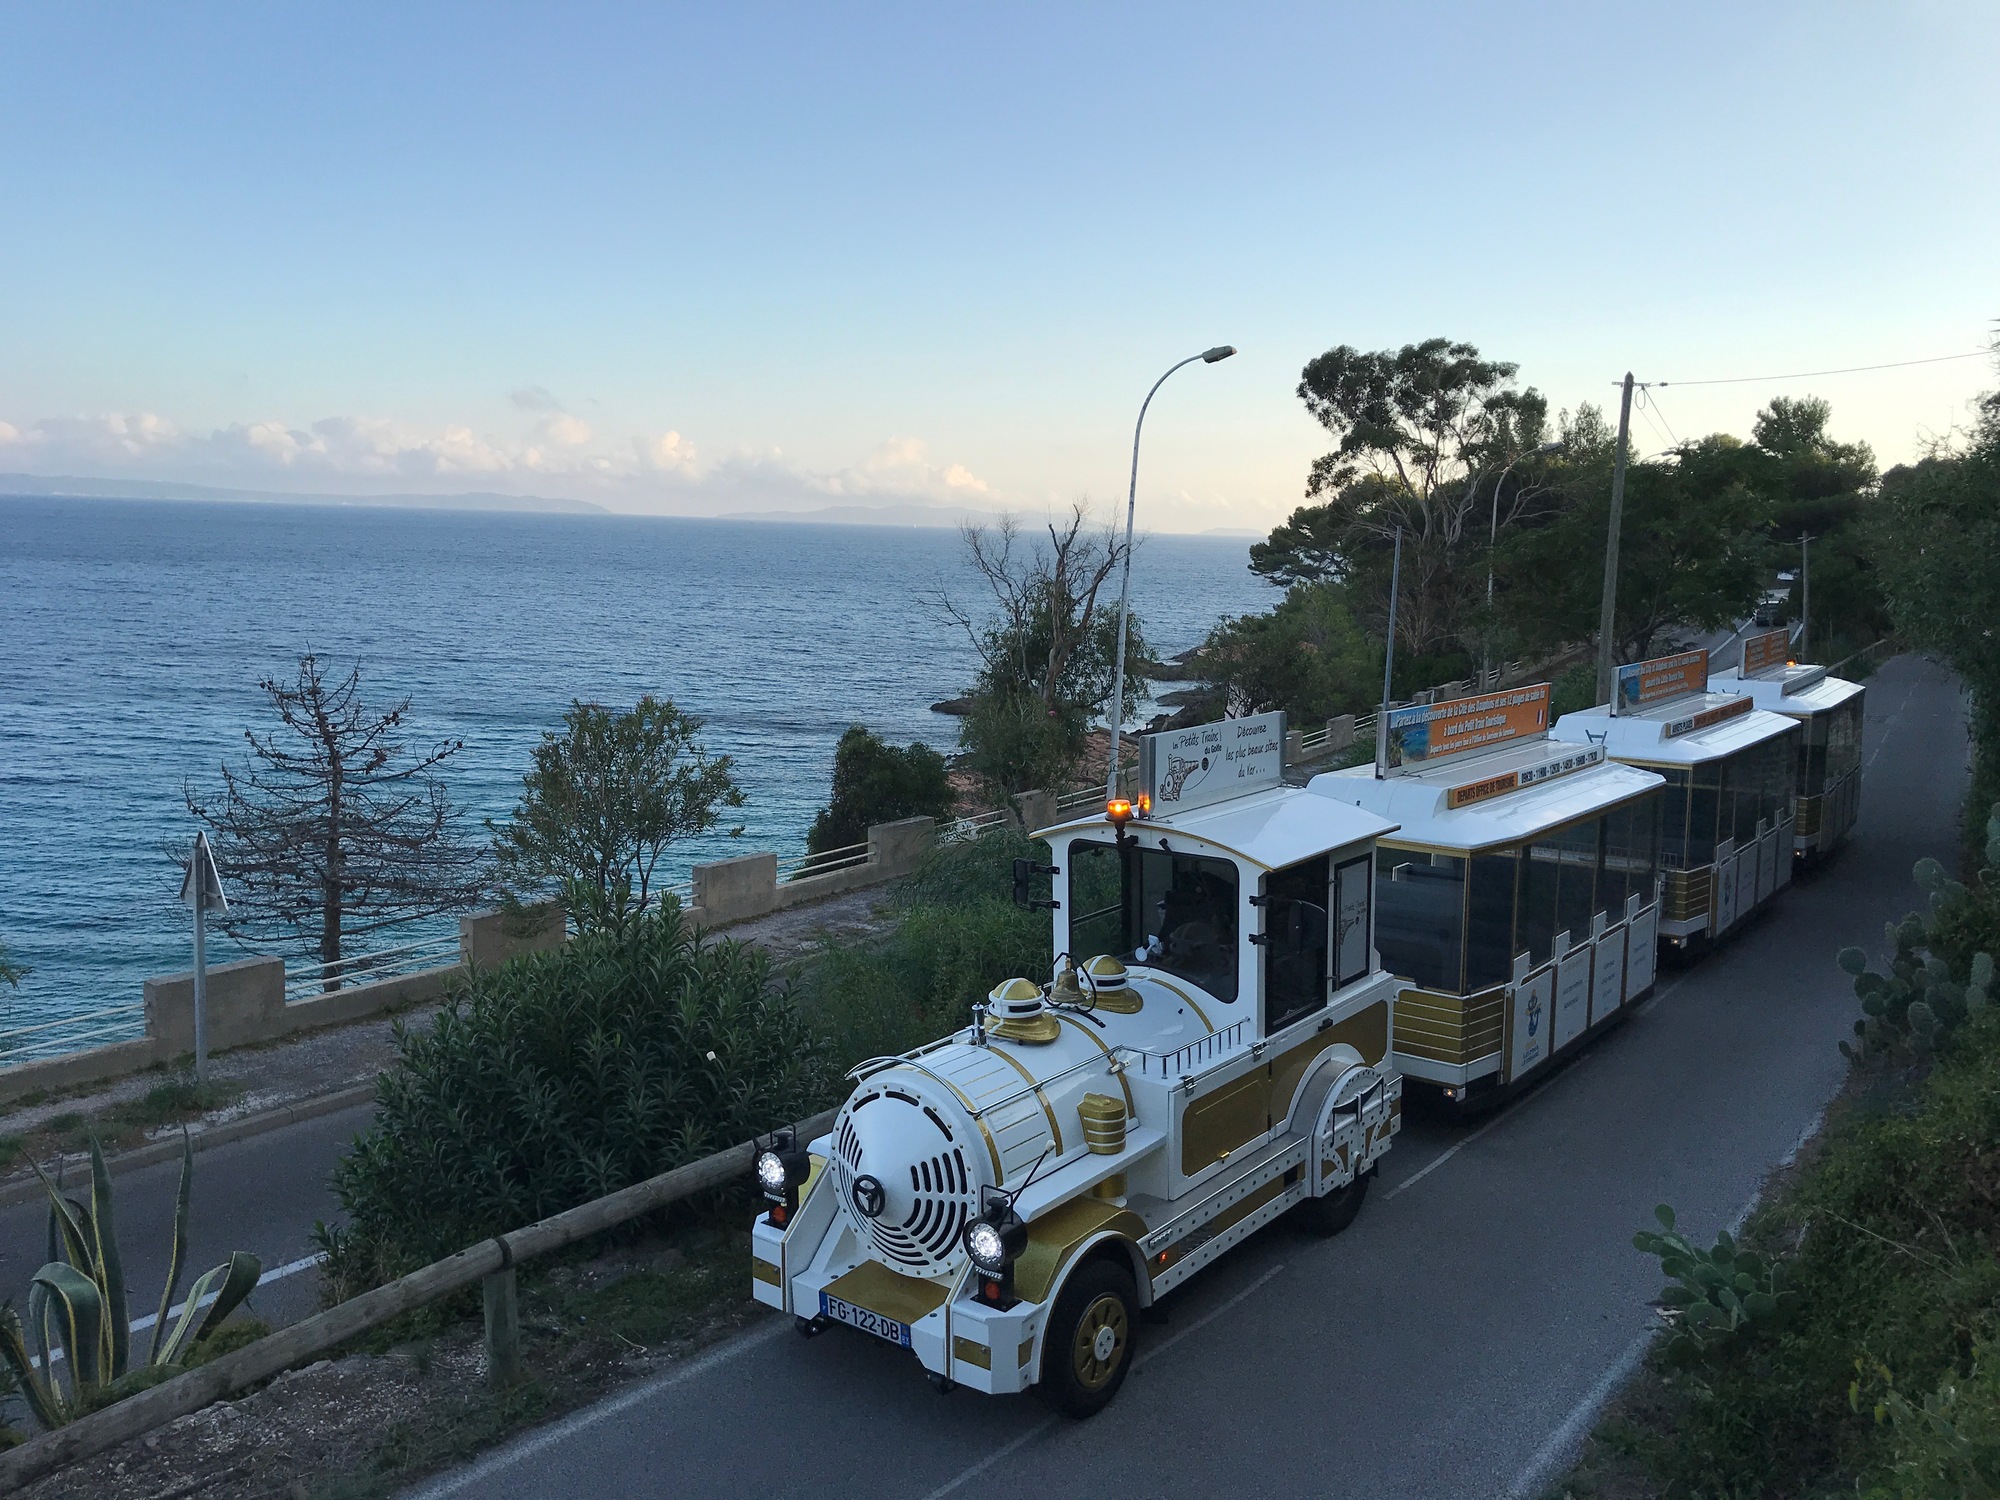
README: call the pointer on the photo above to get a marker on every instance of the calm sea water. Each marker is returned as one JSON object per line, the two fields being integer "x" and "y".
{"x": 133, "y": 633}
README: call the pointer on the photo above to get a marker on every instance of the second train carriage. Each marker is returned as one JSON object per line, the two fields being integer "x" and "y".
{"x": 1827, "y": 771}
{"x": 1518, "y": 896}
{"x": 1727, "y": 825}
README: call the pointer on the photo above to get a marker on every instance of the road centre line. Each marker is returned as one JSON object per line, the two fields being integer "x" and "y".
{"x": 140, "y": 1325}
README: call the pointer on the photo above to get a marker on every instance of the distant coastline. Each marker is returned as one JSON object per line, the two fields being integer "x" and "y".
{"x": 74, "y": 487}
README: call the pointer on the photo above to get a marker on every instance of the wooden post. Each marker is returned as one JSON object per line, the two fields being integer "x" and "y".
{"x": 503, "y": 1328}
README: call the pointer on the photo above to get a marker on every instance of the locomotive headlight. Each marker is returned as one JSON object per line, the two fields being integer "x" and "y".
{"x": 771, "y": 1175}
{"x": 993, "y": 1242}
{"x": 780, "y": 1168}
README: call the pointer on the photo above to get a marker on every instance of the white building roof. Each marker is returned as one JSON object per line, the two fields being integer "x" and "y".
{"x": 1420, "y": 801}
{"x": 1642, "y": 734}
{"x": 1812, "y": 691}
{"x": 1272, "y": 828}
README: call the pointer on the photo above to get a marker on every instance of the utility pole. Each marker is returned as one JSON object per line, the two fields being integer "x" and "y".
{"x": 1388, "y": 662}
{"x": 1607, "y": 615}
{"x": 1805, "y": 596}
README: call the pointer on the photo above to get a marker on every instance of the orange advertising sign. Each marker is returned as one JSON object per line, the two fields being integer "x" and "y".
{"x": 1763, "y": 652}
{"x": 1431, "y": 731}
{"x": 1645, "y": 682}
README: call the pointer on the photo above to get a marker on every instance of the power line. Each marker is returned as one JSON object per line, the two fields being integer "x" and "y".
{"x": 1651, "y": 403}
{"x": 1845, "y": 370}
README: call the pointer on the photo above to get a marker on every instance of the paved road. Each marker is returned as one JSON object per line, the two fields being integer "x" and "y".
{"x": 260, "y": 1195}
{"x": 1454, "y": 1342}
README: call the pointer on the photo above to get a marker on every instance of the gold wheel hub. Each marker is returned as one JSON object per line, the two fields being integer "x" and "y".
{"x": 1101, "y": 1339}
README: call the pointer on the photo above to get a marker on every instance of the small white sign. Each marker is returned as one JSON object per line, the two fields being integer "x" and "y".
{"x": 1187, "y": 768}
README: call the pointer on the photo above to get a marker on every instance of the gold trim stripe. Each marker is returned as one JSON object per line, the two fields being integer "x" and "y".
{"x": 1176, "y": 989}
{"x": 1131, "y": 1108}
{"x": 1029, "y": 1079}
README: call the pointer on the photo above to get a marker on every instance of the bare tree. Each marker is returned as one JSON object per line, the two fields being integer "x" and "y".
{"x": 1046, "y": 646}
{"x": 331, "y": 829}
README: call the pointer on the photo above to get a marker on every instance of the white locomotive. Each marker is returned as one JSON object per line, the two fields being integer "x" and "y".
{"x": 1212, "y": 1052}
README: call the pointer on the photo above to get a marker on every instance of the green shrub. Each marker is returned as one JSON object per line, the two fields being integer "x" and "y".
{"x": 561, "y": 1077}
{"x": 875, "y": 782}
{"x": 958, "y": 934}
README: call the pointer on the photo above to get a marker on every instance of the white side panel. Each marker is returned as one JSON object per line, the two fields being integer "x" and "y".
{"x": 1767, "y": 865}
{"x": 1642, "y": 953}
{"x": 1787, "y": 843}
{"x": 1529, "y": 1020}
{"x": 1607, "y": 983}
{"x": 1572, "y": 995}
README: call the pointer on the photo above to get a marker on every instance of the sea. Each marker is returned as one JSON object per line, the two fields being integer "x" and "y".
{"x": 133, "y": 634}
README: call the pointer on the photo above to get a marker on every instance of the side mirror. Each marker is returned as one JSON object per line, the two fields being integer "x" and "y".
{"x": 1025, "y": 870}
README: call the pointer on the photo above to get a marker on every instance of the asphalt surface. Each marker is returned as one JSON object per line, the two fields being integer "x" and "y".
{"x": 1458, "y": 1340}
{"x": 262, "y": 1195}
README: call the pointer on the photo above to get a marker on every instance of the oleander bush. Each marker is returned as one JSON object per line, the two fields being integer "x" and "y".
{"x": 563, "y": 1076}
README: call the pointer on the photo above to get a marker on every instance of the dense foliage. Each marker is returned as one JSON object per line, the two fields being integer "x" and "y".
{"x": 1307, "y": 657}
{"x": 1939, "y": 548}
{"x": 958, "y": 933}
{"x": 874, "y": 783}
{"x": 563, "y": 1076}
{"x": 1869, "y": 1362}
{"x": 602, "y": 804}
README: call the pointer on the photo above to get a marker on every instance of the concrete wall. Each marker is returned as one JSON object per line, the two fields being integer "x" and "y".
{"x": 246, "y": 1003}
{"x": 738, "y": 890}
{"x": 487, "y": 939}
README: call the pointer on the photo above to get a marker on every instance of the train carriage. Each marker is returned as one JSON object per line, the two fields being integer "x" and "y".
{"x": 1727, "y": 827}
{"x": 1213, "y": 1051}
{"x": 1518, "y": 896}
{"x": 1826, "y": 782}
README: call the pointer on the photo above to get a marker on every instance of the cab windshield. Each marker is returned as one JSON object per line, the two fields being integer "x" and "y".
{"x": 1175, "y": 912}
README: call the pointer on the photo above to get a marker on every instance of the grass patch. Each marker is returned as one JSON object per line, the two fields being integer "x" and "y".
{"x": 11, "y": 1149}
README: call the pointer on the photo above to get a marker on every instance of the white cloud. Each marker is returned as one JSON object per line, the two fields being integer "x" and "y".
{"x": 557, "y": 454}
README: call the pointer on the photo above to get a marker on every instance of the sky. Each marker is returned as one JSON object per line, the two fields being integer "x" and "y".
{"x": 715, "y": 259}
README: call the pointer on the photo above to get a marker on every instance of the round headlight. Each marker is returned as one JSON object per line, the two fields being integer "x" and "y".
{"x": 986, "y": 1245}
{"x": 771, "y": 1175}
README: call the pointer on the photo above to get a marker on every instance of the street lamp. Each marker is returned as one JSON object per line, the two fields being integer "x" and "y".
{"x": 1117, "y": 715}
{"x": 1493, "y": 540}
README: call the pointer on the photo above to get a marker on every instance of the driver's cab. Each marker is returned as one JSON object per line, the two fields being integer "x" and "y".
{"x": 1244, "y": 926}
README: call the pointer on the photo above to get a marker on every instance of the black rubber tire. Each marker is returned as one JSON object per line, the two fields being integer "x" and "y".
{"x": 1097, "y": 1296}
{"x": 1327, "y": 1216}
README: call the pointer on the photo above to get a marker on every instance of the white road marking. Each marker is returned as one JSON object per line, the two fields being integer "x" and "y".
{"x": 966, "y": 1476}
{"x": 547, "y": 1437}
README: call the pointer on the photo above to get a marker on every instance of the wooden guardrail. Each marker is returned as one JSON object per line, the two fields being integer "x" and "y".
{"x": 490, "y": 1262}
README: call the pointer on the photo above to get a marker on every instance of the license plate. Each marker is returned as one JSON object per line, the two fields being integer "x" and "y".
{"x": 868, "y": 1322}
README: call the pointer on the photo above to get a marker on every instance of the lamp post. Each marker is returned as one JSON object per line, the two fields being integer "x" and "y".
{"x": 1117, "y": 712}
{"x": 1493, "y": 539}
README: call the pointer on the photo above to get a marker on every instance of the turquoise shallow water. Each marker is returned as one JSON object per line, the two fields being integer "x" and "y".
{"x": 133, "y": 633}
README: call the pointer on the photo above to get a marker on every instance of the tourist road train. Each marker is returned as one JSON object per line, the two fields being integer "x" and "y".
{"x": 1247, "y": 973}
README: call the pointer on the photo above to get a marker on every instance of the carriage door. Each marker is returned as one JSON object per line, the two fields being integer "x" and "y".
{"x": 1297, "y": 930}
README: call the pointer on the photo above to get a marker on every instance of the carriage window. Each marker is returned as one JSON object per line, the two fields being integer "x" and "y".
{"x": 1489, "y": 924}
{"x": 1169, "y": 911}
{"x": 1295, "y": 942}
{"x": 1420, "y": 916}
{"x": 1353, "y": 892}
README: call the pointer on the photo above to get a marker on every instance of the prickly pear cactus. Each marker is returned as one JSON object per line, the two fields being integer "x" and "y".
{"x": 1919, "y": 1002}
{"x": 1714, "y": 1296}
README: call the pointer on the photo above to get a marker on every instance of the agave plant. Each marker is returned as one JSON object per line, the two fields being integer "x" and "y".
{"x": 76, "y": 1303}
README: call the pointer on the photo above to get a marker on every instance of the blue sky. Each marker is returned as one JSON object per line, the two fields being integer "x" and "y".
{"x": 749, "y": 257}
